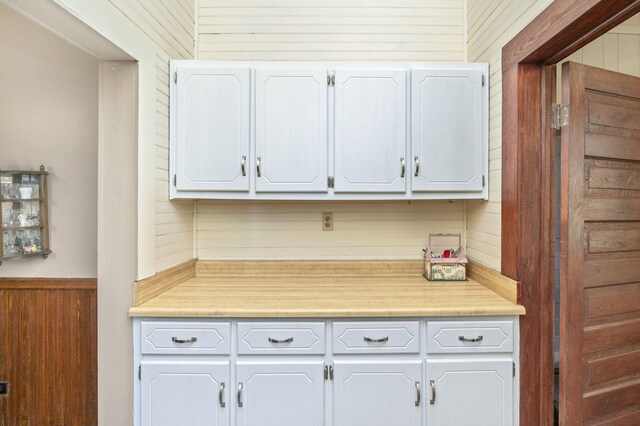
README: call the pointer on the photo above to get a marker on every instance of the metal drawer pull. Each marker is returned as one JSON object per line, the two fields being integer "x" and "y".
{"x": 417, "y": 166}
{"x": 402, "y": 172}
{"x": 220, "y": 395}
{"x": 176, "y": 340}
{"x": 432, "y": 384}
{"x": 240, "y": 395}
{"x": 258, "y": 160}
{"x": 244, "y": 160}
{"x": 473, "y": 340}
{"x": 418, "y": 396}
{"x": 384, "y": 339}
{"x": 287, "y": 340}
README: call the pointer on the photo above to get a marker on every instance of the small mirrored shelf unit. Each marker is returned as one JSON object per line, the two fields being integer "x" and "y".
{"x": 24, "y": 207}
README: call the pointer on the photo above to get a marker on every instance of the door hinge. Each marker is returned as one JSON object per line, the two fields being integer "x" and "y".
{"x": 331, "y": 372}
{"x": 331, "y": 182}
{"x": 175, "y": 77}
{"x": 326, "y": 372}
{"x": 514, "y": 368}
{"x": 140, "y": 372}
{"x": 331, "y": 79}
{"x": 559, "y": 116}
{"x": 175, "y": 180}
{"x": 483, "y": 181}
{"x": 483, "y": 80}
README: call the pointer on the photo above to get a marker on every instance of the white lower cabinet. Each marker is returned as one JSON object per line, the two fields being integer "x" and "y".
{"x": 403, "y": 372}
{"x": 377, "y": 393}
{"x": 280, "y": 393}
{"x": 469, "y": 392}
{"x": 184, "y": 392}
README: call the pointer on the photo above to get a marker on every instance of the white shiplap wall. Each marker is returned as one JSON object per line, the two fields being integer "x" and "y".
{"x": 170, "y": 25}
{"x": 491, "y": 24}
{"x": 618, "y": 50}
{"x": 423, "y": 30}
{"x": 293, "y": 230}
{"x": 429, "y": 30}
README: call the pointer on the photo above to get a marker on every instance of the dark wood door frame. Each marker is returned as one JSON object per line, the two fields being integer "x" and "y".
{"x": 527, "y": 171}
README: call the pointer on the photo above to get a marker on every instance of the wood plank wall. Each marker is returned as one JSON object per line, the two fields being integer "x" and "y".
{"x": 331, "y": 30}
{"x": 48, "y": 351}
{"x": 431, "y": 30}
{"x": 491, "y": 24}
{"x": 170, "y": 25}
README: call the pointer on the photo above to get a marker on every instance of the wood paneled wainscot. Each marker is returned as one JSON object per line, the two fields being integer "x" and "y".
{"x": 337, "y": 343}
{"x": 48, "y": 351}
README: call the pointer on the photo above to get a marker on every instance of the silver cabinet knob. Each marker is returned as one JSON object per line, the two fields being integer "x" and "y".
{"x": 402, "y": 163}
{"x": 221, "y": 395}
{"x": 258, "y": 160}
{"x": 240, "y": 404}
{"x": 244, "y": 160}
{"x": 384, "y": 339}
{"x": 417, "y": 161}
{"x": 287, "y": 340}
{"x": 181, "y": 341}
{"x": 418, "y": 396}
{"x": 432, "y": 384}
{"x": 471, "y": 340}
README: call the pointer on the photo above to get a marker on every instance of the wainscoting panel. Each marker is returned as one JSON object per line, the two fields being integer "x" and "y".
{"x": 48, "y": 351}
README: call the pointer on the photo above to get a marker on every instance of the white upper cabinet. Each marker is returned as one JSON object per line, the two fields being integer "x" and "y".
{"x": 212, "y": 128}
{"x": 329, "y": 131}
{"x": 291, "y": 130}
{"x": 370, "y": 130}
{"x": 447, "y": 128}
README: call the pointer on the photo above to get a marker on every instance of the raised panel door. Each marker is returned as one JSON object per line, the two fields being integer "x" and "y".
{"x": 280, "y": 393}
{"x": 370, "y": 130}
{"x": 447, "y": 130}
{"x": 184, "y": 393}
{"x": 212, "y": 129}
{"x": 291, "y": 130}
{"x": 377, "y": 393}
{"x": 469, "y": 392}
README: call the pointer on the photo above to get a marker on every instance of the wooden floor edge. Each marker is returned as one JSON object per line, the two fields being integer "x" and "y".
{"x": 493, "y": 280}
{"x": 148, "y": 288}
{"x": 42, "y": 283}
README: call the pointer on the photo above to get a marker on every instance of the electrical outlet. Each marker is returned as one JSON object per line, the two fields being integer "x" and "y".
{"x": 327, "y": 221}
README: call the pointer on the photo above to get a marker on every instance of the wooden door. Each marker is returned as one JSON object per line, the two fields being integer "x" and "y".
{"x": 212, "y": 129}
{"x": 370, "y": 130}
{"x": 280, "y": 393}
{"x": 291, "y": 130}
{"x": 448, "y": 139}
{"x": 190, "y": 392}
{"x": 600, "y": 249}
{"x": 469, "y": 392}
{"x": 377, "y": 393}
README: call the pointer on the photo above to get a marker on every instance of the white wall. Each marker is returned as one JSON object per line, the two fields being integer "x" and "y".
{"x": 411, "y": 30}
{"x": 49, "y": 115}
{"x": 169, "y": 24}
{"x": 491, "y": 25}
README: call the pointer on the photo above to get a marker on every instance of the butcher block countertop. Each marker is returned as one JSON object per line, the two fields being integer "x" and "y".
{"x": 318, "y": 289}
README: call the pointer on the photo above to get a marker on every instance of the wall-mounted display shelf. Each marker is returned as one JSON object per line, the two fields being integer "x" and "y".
{"x": 24, "y": 207}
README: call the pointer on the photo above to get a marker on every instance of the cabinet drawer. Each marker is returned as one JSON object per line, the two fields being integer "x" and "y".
{"x": 469, "y": 336}
{"x": 281, "y": 338}
{"x": 186, "y": 338}
{"x": 375, "y": 337}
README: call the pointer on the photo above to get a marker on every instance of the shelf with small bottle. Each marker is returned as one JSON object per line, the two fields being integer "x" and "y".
{"x": 24, "y": 214}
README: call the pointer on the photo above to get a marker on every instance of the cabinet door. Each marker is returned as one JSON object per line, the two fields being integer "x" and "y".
{"x": 379, "y": 393}
{"x": 466, "y": 392}
{"x": 280, "y": 393}
{"x": 185, "y": 393}
{"x": 447, "y": 130}
{"x": 370, "y": 131}
{"x": 291, "y": 130}
{"x": 212, "y": 129}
